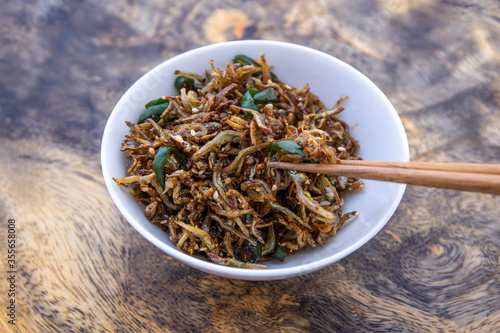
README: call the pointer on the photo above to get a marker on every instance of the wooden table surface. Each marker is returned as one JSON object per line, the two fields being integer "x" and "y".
{"x": 80, "y": 267}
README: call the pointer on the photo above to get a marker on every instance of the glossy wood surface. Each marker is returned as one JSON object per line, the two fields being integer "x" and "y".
{"x": 82, "y": 268}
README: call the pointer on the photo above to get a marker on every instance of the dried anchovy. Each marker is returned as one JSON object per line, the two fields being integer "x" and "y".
{"x": 219, "y": 197}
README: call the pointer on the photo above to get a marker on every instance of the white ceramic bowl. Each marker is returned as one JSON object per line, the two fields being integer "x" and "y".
{"x": 376, "y": 125}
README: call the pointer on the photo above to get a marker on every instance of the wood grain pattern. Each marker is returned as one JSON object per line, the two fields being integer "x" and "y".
{"x": 81, "y": 268}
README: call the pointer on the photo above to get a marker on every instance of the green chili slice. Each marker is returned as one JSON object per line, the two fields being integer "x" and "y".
{"x": 198, "y": 86}
{"x": 288, "y": 145}
{"x": 155, "y": 110}
{"x": 254, "y": 95}
{"x": 159, "y": 161}
{"x": 266, "y": 96}
{"x": 253, "y": 91}
{"x": 186, "y": 82}
{"x": 157, "y": 101}
{"x": 183, "y": 81}
{"x": 248, "y": 102}
{"x": 280, "y": 253}
{"x": 244, "y": 60}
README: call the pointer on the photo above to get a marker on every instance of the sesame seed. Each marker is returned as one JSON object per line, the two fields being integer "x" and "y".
{"x": 195, "y": 110}
{"x": 216, "y": 195}
{"x": 274, "y": 188}
{"x": 341, "y": 149}
{"x": 193, "y": 133}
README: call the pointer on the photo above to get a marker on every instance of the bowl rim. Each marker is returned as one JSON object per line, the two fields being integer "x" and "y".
{"x": 233, "y": 272}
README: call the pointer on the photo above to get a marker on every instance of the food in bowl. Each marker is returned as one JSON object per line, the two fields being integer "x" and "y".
{"x": 199, "y": 164}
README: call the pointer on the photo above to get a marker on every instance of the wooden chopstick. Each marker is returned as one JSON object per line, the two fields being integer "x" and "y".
{"x": 458, "y": 167}
{"x": 460, "y": 176}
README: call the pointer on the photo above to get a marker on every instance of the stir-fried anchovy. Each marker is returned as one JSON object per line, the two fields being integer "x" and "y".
{"x": 200, "y": 165}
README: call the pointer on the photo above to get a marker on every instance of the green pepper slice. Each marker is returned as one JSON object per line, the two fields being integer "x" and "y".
{"x": 155, "y": 110}
{"x": 289, "y": 145}
{"x": 197, "y": 86}
{"x": 280, "y": 253}
{"x": 186, "y": 82}
{"x": 157, "y": 101}
{"x": 183, "y": 81}
{"x": 159, "y": 161}
{"x": 265, "y": 96}
{"x": 244, "y": 60}
{"x": 247, "y": 99}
